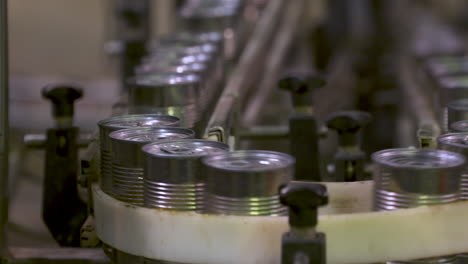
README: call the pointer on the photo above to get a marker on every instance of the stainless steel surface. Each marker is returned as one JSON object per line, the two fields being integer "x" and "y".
{"x": 128, "y": 159}
{"x": 247, "y": 182}
{"x": 4, "y": 124}
{"x": 460, "y": 126}
{"x": 112, "y": 124}
{"x": 174, "y": 178}
{"x": 457, "y": 142}
{"x": 174, "y": 94}
{"x": 457, "y": 111}
{"x": 407, "y": 178}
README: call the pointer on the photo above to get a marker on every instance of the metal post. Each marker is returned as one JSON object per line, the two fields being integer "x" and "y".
{"x": 3, "y": 123}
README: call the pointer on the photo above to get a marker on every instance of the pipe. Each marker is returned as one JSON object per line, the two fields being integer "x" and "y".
{"x": 4, "y": 125}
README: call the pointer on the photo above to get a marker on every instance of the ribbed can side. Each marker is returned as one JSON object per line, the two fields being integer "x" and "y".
{"x": 127, "y": 184}
{"x": 179, "y": 197}
{"x": 106, "y": 171}
{"x": 251, "y": 206}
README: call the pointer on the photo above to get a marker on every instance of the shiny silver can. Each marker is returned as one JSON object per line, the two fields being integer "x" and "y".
{"x": 169, "y": 67}
{"x": 174, "y": 178}
{"x": 223, "y": 19}
{"x": 185, "y": 49}
{"x": 167, "y": 93}
{"x": 247, "y": 182}
{"x": 128, "y": 158}
{"x": 457, "y": 142}
{"x": 112, "y": 124}
{"x": 451, "y": 88}
{"x": 406, "y": 178}
{"x": 457, "y": 111}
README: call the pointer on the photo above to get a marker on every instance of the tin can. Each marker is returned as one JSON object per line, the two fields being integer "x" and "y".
{"x": 247, "y": 182}
{"x": 173, "y": 173}
{"x": 222, "y": 18}
{"x": 166, "y": 93}
{"x": 128, "y": 159}
{"x": 459, "y": 126}
{"x": 457, "y": 142}
{"x": 206, "y": 82}
{"x": 451, "y": 88}
{"x": 406, "y": 178}
{"x": 182, "y": 44}
{"x": 112, "y": 124}
{"x": 457, "y": 111}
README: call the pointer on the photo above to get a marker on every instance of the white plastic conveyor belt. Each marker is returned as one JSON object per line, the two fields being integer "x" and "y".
{"x": 351, "y": 238}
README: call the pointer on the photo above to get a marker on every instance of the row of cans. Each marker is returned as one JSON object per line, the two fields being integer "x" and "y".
{"x": 146, "y": 160}
{"x": 450, "y": 75}
{"x": 182, "y": 75}
{"x": 224, "y": 16}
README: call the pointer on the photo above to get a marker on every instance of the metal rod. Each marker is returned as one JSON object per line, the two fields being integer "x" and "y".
{"x": 285, "y": 36}
{"x": 4, "y": 125}
{"x": 419, "y": 104}
{"x": 250, "y": 60}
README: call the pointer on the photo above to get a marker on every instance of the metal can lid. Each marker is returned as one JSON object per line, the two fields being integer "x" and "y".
{"x": 147, "y": 135}
{"x": 249, "y": 160}
{"x": 165, "y": 79}
{"x": 408, "y": 158}
{"x": 185, "y": 148}
{"x": 143, "y": 120}
{"x": 459, "y": 126}
{"x": 459, "y": 140}
{"x": 460, "y": 105}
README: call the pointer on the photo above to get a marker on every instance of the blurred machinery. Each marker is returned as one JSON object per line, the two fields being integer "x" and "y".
{"x": 247, "y": 109}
